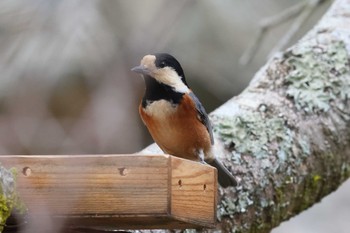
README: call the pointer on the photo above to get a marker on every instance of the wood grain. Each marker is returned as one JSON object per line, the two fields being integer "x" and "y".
{"x": 193, "y": 191}
{"x": 116, "y": 191}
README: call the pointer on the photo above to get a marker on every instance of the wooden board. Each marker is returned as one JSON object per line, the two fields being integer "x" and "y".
{"x": 116, "y": 191}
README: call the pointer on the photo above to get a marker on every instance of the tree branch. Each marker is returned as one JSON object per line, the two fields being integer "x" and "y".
{"x": 286, "y": 137}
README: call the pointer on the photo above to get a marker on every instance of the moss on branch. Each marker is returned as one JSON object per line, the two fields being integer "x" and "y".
{"x": 9, "y": 199}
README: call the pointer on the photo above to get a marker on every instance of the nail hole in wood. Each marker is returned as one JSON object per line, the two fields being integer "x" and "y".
{"x": 122, "y": 171}
{"x": 27, "y": 171}
{"x": 180, "y": 183}
{"x": 204, "y": 187}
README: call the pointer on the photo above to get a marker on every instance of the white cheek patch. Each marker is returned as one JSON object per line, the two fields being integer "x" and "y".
{"x": 169, "y": 77}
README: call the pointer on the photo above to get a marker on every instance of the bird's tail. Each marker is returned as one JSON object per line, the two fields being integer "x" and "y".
{"x": 225, "y": 177}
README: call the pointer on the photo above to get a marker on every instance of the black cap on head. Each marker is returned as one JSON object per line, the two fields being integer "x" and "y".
{"x": 165, "y": 59}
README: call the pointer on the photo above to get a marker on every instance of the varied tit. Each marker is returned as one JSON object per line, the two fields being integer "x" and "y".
{"x": 175, "y": 118}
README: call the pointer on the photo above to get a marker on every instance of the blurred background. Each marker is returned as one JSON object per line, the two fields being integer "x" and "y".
{"x": 66, "y": 85}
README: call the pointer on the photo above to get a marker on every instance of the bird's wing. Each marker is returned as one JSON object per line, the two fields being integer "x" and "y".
{"x": 202, "y": 115}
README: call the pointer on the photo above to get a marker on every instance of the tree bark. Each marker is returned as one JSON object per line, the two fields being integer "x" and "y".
{"x": 286, "y": 136}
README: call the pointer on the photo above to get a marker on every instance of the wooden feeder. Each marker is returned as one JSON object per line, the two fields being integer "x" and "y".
{"x": 117, "y": 191}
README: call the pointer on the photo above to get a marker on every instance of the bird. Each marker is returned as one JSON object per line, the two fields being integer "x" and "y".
{"x": 174, "y": 116}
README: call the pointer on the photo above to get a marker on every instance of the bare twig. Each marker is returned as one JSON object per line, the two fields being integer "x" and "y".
{"x": 282, "y": 43}
{"x": 303, "y": 9}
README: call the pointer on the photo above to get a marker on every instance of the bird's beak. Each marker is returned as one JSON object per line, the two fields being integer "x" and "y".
{"x": 141, "y": 69}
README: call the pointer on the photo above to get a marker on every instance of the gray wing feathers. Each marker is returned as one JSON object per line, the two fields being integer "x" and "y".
{"x": 203, "y": 116}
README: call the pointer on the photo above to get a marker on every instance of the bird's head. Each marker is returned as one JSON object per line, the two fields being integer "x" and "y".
{"x": 165, "y": 69}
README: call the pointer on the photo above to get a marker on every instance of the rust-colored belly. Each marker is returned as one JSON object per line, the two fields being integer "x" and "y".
{"x": 177, "y": 131}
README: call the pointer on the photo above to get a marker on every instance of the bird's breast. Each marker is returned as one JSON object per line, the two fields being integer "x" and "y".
{"x": 160, "y": 109}
{"x": 176, "y": 128}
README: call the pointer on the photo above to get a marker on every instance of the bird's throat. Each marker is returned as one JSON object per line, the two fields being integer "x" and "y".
{"x": 156, "y": 91}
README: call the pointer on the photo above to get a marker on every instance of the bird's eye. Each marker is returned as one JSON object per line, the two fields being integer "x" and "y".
{"x": 162, "y": 64}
